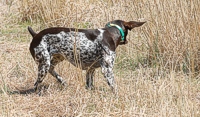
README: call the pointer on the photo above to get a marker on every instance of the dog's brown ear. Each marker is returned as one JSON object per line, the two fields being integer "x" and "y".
{"x": 132, "y": 24}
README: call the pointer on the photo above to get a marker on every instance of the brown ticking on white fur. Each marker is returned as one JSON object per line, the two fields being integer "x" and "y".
{"x": 84, "y": 48}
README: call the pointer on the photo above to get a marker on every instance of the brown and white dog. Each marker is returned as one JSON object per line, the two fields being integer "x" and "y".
{"x": 84, "y": 48}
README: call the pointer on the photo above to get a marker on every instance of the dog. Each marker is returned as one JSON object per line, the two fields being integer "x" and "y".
{"x": 87, "y": 49}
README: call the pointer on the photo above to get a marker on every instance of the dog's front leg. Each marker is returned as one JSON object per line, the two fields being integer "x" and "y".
{"x": 107, "y": 65}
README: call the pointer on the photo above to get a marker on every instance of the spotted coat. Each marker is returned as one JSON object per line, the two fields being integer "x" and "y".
{"x": 86, "y": 49}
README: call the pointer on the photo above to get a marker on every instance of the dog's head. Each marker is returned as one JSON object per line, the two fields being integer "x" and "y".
{"x": 125, "y": 26}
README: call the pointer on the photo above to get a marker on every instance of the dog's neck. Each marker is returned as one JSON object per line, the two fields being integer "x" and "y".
{"x": 119, "y": 28}
{"x": 116, "y": 35}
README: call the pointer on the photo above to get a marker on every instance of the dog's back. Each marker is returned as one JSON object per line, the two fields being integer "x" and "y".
{"x": 75, "y": 46}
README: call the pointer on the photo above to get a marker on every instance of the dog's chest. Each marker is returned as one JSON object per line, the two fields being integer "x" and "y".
{"x": 75, "y": 47}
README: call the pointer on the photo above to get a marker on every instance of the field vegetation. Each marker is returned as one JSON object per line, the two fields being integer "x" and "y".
{"x": 157, "y": 72}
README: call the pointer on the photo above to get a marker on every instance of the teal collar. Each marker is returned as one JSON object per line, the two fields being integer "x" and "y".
{"x": 119, "y": 28}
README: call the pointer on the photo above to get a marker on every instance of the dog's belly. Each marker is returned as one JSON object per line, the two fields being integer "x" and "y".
{"x": 83, "y": 58}
{"x": 76, "y": 48}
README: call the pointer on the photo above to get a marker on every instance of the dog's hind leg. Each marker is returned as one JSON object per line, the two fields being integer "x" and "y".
{"x": 54, "y": 74}
{"x": 43, "y": 60}
{"x": 54, "y": 61}
{"x": 89, "y": 79}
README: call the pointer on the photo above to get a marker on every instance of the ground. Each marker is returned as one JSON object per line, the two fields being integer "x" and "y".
{"x": 143, "y": 90}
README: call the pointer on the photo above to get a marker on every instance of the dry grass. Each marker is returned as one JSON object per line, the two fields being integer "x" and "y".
{"x": 156, "y": 73}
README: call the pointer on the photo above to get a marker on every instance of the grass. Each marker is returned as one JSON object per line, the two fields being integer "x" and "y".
{"x": 156, "y": 73}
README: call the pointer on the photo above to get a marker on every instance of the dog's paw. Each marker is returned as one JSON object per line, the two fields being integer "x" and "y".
{"x": 115, "y": 90}
{"x": 64, "y": 83}
{"x": 90, "y": 87}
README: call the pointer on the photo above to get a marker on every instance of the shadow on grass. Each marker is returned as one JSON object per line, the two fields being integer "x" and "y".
{"x": 23, "y": 91}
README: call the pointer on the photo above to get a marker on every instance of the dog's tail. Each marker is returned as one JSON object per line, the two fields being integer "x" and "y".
{"x": 31, "y": 31}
